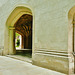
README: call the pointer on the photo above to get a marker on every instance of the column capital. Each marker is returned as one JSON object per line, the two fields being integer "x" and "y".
{"x": 11, "y": 27}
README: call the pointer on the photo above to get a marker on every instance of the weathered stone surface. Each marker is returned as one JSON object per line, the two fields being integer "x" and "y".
{"x": 50, "y": 30}
{"x": 9, "y": 66}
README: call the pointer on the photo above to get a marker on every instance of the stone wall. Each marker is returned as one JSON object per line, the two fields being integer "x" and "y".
{"x": 51, "y": 30}
{"x": 51, "y": 35}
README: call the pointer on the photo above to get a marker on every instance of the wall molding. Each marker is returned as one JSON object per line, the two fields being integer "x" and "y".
{"x": 48, "y": 52}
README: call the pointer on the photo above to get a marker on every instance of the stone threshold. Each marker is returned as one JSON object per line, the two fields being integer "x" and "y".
{"x": 22, "y": 58}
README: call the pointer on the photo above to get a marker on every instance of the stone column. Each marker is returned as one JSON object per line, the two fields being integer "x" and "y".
{"x": 22, "y": 42}
{"x": 26, "y": 42}
{"x": 12, "y": 49}
{"x": 74, "y": 45}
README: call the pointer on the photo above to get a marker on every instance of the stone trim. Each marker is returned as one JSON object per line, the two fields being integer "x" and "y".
{"x": 52, "y": 53}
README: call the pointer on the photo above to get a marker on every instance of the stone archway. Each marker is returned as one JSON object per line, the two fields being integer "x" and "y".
{"x": 74, "y": 40}
{"x": 9, "y": 46}
{"x": 71, "y": 51}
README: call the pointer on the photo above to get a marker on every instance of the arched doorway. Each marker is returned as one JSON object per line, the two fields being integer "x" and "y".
{"x": 18, "y": 41}
{"x": 74, "y": 40}
{"x": 20, "y": 21}
{"x": 71, "y": 40}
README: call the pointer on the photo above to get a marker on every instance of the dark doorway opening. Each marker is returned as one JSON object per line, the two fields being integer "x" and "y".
{"x": 23, "y": 28}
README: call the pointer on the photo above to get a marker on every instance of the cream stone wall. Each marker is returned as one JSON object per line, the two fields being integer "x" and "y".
{"x": 53, "y": 25}
{"x": 51, "y": 30}
{"x": 51, "y": 35}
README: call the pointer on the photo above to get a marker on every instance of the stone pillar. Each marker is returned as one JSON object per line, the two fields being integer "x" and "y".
{"x": 12, "y": 49}
{"x": 22, "y": 45}
{"x": 74, "y": 46}
{"x": 26, "y": 42}
{"x": 20, "y": 40}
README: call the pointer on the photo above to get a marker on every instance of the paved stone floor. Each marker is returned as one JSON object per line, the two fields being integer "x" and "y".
{"x": 10, "y": 66}
{"x": 22, "y": 58}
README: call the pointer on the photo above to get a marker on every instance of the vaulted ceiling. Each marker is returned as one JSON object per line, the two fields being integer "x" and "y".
{"x": 24, "y": 25}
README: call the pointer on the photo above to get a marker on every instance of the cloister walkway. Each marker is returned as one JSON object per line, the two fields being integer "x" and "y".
{"x": 10, "y": 66}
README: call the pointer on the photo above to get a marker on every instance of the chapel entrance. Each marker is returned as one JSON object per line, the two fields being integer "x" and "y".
{"x": 18, "y": 31}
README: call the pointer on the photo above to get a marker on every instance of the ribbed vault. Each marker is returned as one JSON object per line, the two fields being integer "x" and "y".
{"x": 24, "y": 25}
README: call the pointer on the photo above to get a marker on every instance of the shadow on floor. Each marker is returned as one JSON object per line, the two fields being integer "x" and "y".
{"x": 24, "y": 53}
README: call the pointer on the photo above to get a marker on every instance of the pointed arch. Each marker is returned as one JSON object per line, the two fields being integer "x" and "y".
{"x": 71, "y": 40}
{"x": 10, "y": 28}
{"x": 16, "y": 14}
